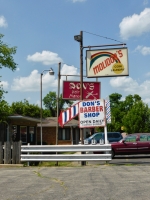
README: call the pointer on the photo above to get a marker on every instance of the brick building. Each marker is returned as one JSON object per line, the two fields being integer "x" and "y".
{"x": 28, "y": 130}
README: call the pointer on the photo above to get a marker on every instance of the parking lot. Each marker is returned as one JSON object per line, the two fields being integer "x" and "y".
{"x": 143, "y": 159}
{"x": 124, "y": 178}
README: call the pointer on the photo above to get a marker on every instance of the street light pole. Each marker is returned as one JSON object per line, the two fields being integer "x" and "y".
{"x": 51, "y": 72}
{"x": 79, "y": 38}
{"x": 41, "y": 110}
{"x": 81, "y": 77}
{"x": 58, "y": 93}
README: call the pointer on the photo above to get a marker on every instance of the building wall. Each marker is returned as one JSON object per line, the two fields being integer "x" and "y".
{"x": 49, "y": 136}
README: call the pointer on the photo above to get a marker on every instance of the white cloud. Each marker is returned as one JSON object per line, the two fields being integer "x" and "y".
{"x": 135, "y": 25}
{"x": 148, "y": 74}
{"x": 74, "y": 1}
{"x": 46, "y": 58}
{"x": 130, "y": 86}
{"x": 69, "y": 70}
{"x": 32, "y": 82}
{"x": 5, "y": 84}
{"x": 144, "y": 50}
{"x": 3, "y": 22}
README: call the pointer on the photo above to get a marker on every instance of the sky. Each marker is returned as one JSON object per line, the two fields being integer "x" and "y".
{"x": 43, "y": 32}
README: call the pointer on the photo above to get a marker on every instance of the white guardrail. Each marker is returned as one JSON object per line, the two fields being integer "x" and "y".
{"x": 51, "y": 152}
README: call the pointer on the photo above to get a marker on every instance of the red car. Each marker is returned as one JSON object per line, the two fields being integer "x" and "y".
{"x": 136, "y": 143}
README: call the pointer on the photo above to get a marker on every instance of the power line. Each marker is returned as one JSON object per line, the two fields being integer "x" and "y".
{"x": 102, "y": 36}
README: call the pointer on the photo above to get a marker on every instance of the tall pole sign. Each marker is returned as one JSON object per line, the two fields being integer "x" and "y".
{"x": 107, "y": 62}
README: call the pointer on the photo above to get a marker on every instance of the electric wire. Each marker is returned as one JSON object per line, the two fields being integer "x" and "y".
{"x": 102, "y": 36}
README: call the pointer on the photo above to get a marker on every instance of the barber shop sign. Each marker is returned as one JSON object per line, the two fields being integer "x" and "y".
{"x": 92, "y": 113}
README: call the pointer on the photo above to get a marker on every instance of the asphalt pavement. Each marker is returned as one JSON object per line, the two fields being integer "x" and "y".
{"x": 93, "y": 181}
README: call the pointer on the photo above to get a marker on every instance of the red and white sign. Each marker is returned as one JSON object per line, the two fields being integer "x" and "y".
{"x": 92, "y": 113}
{"x": 71, "y": 90}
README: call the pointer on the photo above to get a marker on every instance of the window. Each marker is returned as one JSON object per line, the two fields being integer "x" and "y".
{"x": 148, "y": 137}
{"x": 130, "y": 139}
{"x": 64, "y": 134}
{"x": 116, "y": 135}
{"x": 23, "y": 134}
{"x": 98, "y": 137}
{"x": 143, "y": 138}
{"x": 31, "y": 132}
{"x": 110, "y": 135}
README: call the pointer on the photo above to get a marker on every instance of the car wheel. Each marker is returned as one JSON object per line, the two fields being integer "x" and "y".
{"x": 112, "y": 154}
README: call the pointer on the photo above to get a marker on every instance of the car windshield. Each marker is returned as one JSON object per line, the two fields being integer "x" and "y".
{"x": 92, "y": 136}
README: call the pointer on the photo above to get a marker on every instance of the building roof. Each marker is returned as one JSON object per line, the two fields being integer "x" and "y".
{"x": 23, "y": 118}
{"x": 48, "y": 122}
{"x": 52, "y": 122}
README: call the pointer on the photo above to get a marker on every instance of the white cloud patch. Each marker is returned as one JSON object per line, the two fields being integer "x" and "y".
{"x": 130, "y": 86}
{"x": 3, "y": 22}
{"x": 135, "y": 25}
{"x": 46, "y": 58}
{"x": 5, "y": 84}
{"x": 148, "y": 74}
{"x": 32, "y": 82}
{"x": 74, "y": 1}
{"x": 143, "y": 50}
{"x": 71, "y": 71}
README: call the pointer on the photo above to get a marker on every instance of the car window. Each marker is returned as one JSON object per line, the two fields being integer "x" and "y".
{"x": 98, "y": 137}
{"x": 110, "y": 135}
{"x": 143, "y": 138}
{"x": 130, "y": 139}
{"x": 116, "y": 135}
{"x": 148, "y": 137}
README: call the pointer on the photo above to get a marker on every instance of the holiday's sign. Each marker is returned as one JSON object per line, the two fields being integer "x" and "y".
{"x": 71, "y": 90}
{"x": 92, "y": 113}
{"x": 107, "y": 62}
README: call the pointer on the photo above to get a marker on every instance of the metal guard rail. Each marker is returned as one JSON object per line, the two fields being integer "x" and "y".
{"x": 30, "y": 150}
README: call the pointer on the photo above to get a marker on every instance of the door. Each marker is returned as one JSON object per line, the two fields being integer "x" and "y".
{"x": 129, "y": 146}
{"x": 144, "y": 144}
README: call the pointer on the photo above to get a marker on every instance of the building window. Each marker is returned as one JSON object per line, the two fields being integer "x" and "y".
{"x": 23, "y": 134}
{"x": 64, "y": 134}
{"x": 31, "y": 132}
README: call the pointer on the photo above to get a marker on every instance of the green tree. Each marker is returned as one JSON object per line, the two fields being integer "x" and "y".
{"x": 120, "y": 108}
{"x": 6, "y": 55}
{"x": 50, "y": 102}
{"x": 137, "y": 119}
{"x": 4, "y": 110}
{"x": 6, "y": 60}
{"x": 116, "y": 112}
{"x": 30, "y": 110}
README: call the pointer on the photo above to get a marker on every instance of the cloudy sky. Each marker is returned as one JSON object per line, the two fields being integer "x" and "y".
{"x": 43, "y": 32}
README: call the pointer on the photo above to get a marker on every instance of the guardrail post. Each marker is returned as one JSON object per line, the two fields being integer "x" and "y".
{"x": 1, "y": 153}
{"x": 7, "y": 153}
{"x": 28, "y": 163}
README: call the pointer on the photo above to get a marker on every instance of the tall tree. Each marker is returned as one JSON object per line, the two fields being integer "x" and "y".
{"x": 137, "y": 119}
{"x": 50, "y": 102}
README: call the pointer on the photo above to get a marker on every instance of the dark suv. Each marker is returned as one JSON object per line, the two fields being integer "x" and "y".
{"x": 111, "y": 136}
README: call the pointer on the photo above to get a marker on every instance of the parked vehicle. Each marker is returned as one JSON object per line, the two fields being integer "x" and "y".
{"x": 111, "y": 136}
{"x": 136, "y": 143}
